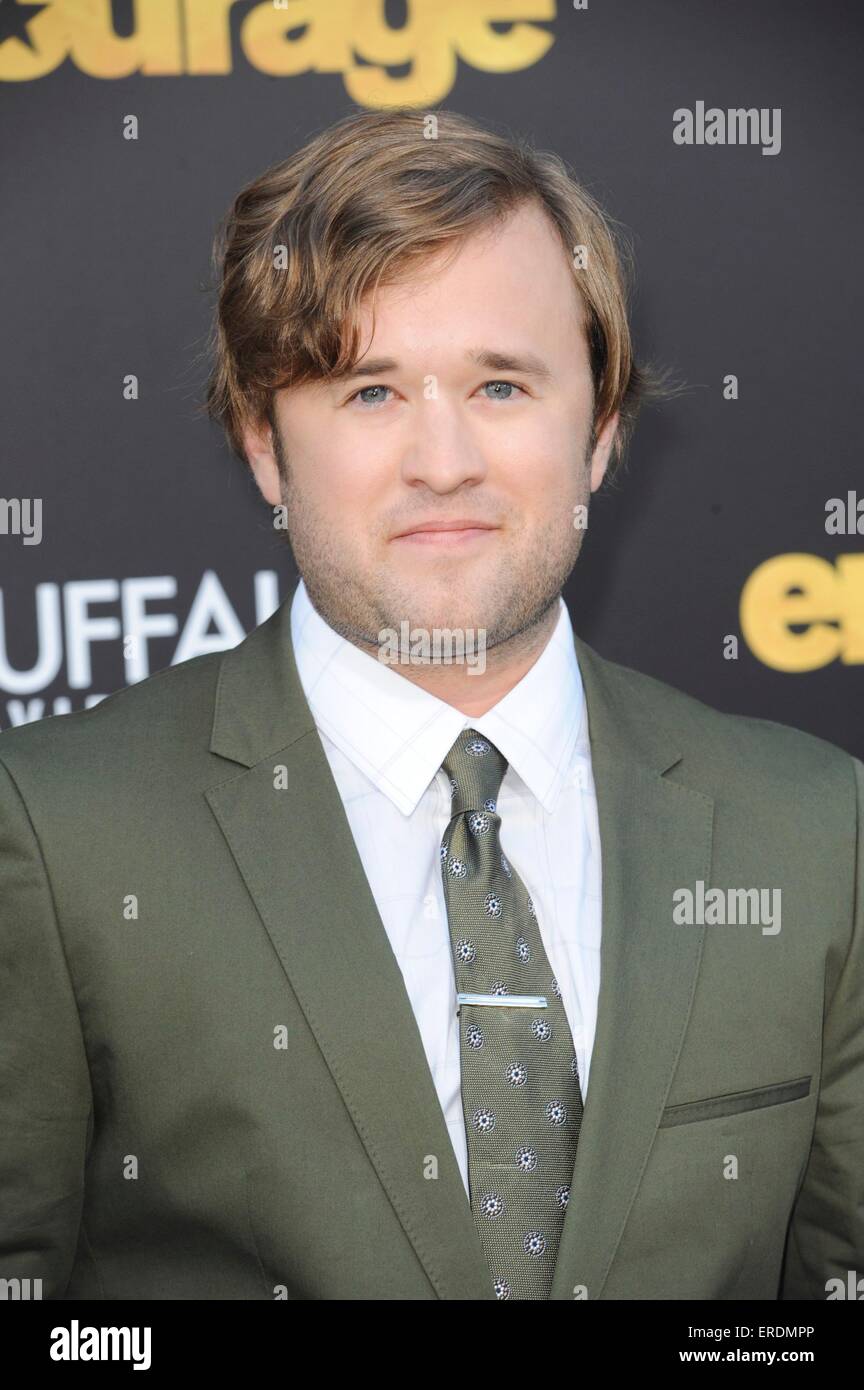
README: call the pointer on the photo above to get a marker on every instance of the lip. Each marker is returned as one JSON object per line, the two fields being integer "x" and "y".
{"x": 446, "y": 532}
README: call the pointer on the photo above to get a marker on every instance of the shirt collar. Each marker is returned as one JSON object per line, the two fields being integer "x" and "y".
{"x": 398, "y": 734}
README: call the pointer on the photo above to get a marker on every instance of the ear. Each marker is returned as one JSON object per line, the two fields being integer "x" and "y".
{"x": 602, "y": 451}
{"x": 260, "y": 455}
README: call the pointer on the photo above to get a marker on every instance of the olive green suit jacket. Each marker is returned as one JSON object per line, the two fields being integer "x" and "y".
{"x": 212, "y": 1084}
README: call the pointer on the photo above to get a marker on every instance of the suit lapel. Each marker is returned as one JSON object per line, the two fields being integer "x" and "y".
{"x": 655, "y": 837}
{"x": 295, "y": 851}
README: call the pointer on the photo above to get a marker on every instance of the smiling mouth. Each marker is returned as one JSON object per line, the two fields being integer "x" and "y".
{"x": 462, "y": 536}
{"x": 447, "y": 533}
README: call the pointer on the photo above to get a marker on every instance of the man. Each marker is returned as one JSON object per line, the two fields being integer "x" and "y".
{"x": 329, "y": 976}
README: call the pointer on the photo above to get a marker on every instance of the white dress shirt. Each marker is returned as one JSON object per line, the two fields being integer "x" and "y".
{"x": 385, "y": 739}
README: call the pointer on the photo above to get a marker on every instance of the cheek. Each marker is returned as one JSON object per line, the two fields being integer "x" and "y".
{"x": 338, "y": 472}
{"x": 542, "y": 465}
{"x": 348, "y": 488}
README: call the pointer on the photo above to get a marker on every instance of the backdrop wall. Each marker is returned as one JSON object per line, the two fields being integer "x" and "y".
{"x": 729, "y": 557}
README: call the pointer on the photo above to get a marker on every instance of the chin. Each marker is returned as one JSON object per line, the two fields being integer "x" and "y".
{"x": 455, "y": 615}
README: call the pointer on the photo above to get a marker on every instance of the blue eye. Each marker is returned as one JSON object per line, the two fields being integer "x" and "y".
{"x": 511, "y": 385}
{"x": 364, "y": 389}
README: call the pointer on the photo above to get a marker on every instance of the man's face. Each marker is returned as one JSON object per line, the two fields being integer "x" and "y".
{"x": 437, "y": 437}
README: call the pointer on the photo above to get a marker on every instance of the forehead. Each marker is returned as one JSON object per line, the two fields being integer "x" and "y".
{"x": 511, "y": 279}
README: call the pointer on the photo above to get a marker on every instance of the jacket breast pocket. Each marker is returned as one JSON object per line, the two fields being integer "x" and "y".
{"x": 736, "y": 1101}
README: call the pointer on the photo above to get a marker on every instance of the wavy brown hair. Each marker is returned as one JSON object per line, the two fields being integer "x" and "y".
{"x": 359, "y": 205}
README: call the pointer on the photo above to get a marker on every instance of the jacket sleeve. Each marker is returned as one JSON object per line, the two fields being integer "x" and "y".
{"x": 826, "y": 1233}
{"x": 45, "y": 1094}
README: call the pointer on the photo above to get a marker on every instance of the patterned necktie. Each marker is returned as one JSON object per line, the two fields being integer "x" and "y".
{"x": 520, "y": 1079}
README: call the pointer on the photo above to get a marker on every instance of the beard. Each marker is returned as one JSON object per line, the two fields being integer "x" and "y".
{"x": 508, "y": 597}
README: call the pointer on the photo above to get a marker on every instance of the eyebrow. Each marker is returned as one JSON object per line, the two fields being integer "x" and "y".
{"x": 524, "y": 363}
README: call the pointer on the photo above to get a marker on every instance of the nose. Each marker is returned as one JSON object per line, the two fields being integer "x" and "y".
{"x": 441, "y": 450}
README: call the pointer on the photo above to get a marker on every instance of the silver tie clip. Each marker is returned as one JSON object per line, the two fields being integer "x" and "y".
{"x": 506, "y": 1001}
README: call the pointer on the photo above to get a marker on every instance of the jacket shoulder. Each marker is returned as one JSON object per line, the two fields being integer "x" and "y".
{"x": 723, "y": 747}
{"x": 167, "y": 711}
